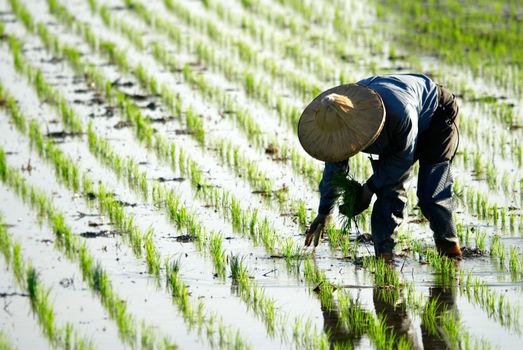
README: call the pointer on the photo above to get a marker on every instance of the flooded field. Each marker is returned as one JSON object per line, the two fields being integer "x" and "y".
{"x": 154, "y": 193}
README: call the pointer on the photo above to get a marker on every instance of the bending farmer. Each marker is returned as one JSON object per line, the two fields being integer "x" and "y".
{"x": 398, "y": 119}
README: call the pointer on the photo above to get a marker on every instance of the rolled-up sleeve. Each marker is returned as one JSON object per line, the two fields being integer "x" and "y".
{"x": 395, "y": 166}
{"x": 329, "y": 194}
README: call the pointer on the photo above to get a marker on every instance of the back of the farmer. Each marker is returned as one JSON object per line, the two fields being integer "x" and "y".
{"x": 397, "y": 119}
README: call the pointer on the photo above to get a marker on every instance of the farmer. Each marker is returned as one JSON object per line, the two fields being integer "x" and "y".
{"x": 398, "y": 120}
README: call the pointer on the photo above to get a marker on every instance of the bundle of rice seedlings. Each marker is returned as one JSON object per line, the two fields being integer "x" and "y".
{"x": 349, "y": 191}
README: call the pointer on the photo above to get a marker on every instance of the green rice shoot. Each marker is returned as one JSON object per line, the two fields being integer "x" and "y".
{"x": 348, "y": 190}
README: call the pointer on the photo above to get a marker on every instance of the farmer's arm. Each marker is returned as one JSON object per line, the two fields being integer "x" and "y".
{"x": 395, "y": 167}
{"x": 328, "y": 193}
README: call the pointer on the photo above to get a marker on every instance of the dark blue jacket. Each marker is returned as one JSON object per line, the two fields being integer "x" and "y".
{"x": 410, "y": 100}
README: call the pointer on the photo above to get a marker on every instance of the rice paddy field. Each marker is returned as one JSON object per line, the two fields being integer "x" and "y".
{"x": 154, "y": 194}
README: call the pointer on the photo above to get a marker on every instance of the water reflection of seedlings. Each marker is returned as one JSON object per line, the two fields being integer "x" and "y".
{"x": 178, "y": 288}
{"x": 497, "y": 249}
{"x": 494, "y": 304}
{"x": 480, "y": 240}
{"x": 515, "y": 263}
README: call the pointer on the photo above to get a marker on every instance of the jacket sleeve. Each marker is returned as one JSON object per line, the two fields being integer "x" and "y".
{"x": 395, "y": 166}
{"x": 327, "y": 192}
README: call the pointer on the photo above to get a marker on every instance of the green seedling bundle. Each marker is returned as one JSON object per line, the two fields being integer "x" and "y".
{"x": 348, "y": 190}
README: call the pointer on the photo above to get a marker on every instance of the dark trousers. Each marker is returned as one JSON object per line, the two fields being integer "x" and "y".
{"x": 435, "y": 151}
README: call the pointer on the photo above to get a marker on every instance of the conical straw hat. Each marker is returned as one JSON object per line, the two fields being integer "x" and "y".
{"x": 340, "y": 122}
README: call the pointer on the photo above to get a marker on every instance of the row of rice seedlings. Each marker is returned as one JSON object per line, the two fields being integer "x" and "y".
{"x": 242, "y": 165}
{"x": 156, "y": 21}
{"x": 264, "y": 305}
{"x": 138, "y": 240}
{"x": 76, "y": 251}
{"x": 494, "y": 304}
{"x": 165, "y": 149}
{"x": 212, "y": 243}
{"x": 480, "y": 205}
{"x": 116, "y": 213}
{"x": 508, "y": 258}
{"x": 496, "y": 53}
{"x": 44, "y": 89}
{"x": 283, "y": 40}
{"x": 342, "y": 30}
{"x": 122, "y": 167}
{"x": 248, "y": 124}
{"x": 28, "y": 279}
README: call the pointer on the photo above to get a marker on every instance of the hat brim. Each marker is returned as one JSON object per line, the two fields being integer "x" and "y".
{"x": 364, "y": 125}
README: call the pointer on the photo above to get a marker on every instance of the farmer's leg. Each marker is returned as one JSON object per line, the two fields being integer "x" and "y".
{"x": 436, "y": 149}
{"x": 436, "y": 200}
{"x": 387, "y": 214}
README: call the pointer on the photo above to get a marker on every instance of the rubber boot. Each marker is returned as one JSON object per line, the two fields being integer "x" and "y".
{"x": 387, "y": 257}
{"x": 449, "y": 249}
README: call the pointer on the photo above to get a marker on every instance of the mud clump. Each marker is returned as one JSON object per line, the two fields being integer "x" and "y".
{"x": 171, "y": 179}
{"x": 467, "y": 253}
{"x": 184, "y": 239}
{"x": 271, "y": 150}
{"x": 122, "y": 124}
{"x": 96, "y": 234}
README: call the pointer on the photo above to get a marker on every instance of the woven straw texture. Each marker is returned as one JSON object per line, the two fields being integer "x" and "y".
{"x": 340, "y": 122}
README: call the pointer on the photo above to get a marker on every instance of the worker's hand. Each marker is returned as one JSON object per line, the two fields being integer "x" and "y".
{"x": 317, "y": 229}
{"x": 363, "y": 199}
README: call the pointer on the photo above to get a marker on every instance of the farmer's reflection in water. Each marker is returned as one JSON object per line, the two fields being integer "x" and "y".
{"x": 394, "y": 312}
{"x": 444, "y": 297}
